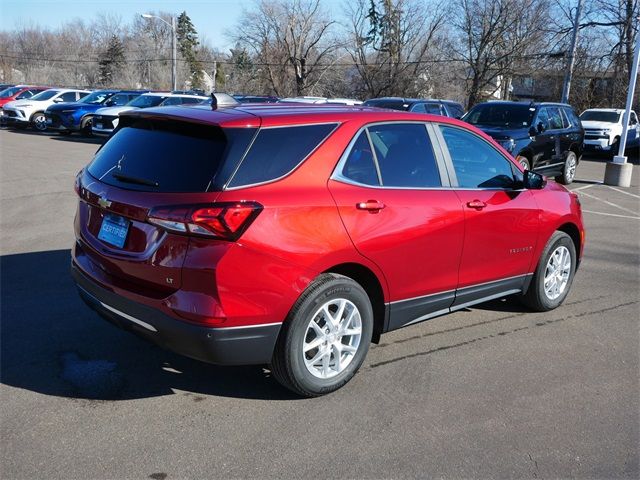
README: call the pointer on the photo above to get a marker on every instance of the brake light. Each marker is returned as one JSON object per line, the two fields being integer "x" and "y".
{"x": 227, "y": 221}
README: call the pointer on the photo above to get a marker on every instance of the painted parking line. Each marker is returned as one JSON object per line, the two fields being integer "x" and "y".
{"x": 585, "y": 187}
{"x": 622, "y": 191}
{"x": 608, "y": 203}
{"x": 610, "y": 214}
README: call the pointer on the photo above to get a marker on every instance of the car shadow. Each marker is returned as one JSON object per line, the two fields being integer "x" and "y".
{"x": 51, "y": 343}
{"x": 56, "y": 136}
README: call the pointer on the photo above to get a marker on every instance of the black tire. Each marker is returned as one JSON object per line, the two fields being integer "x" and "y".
{"x": 569, "y": 169}
{"x": 38, "y": 122}
{"x": 615, "y": 146}
{"x": 524, "y": 162}
{"x": 288, "y": 363}
{"x": 536, "y": 297}
{"x": 85, "y": 127}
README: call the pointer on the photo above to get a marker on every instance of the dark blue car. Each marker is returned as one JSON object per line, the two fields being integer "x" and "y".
{"x": 545, "y": 137}
{"x": 67, "y": 118}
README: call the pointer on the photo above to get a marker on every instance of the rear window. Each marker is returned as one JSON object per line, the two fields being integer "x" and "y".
{"x": 167, "y": 156}
{"x": 277, "y": 151}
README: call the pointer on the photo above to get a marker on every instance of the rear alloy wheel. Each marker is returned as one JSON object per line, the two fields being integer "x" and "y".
{"x": 554, "y": 275}
{"x": 569, "y": 169}
{"x": 39, "y": 122}
{"x": 524, "y": 162}
{"x": 325, "y": 338}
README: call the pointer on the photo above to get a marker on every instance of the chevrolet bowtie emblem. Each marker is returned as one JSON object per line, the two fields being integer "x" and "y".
{"x": 103, "y": 202}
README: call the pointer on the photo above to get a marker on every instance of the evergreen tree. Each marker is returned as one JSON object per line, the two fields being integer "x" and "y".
{"x": 111, "y": 61}
{"x": 188, "y": 46}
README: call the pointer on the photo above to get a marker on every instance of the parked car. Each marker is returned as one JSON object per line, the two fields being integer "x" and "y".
{"x": 30, "y": 112}
{"x": 307, "y": 233}
{"x": 255, "y": 98}
{"x": 105, "y": 119}
{"x": 78, "y": 117}
{"x": 19, "y": 92}
{"x": 603, "y": 129}
{"x": 447, "y": 108}
{"x": 4, "y": 86}
{"x": 545, "y": 137}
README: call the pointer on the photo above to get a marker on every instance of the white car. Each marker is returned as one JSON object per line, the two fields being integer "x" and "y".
{"x": 603, "y": 128}
{"x": 23, "y": 113}
{"x": 106, "y": 119}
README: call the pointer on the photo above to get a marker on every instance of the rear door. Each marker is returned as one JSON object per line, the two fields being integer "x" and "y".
{"x": 390, "y": 189}
{"x": 501, "y": 220}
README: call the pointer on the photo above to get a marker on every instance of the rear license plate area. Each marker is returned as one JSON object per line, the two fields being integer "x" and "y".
{"x": 114, "y": 230}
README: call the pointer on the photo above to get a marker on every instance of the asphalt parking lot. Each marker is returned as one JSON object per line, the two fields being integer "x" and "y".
{"x": 494, "y": 391}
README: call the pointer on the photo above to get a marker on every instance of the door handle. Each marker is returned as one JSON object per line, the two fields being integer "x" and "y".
{"x": 477, "y": 204}
{"x": 373, "y": 206}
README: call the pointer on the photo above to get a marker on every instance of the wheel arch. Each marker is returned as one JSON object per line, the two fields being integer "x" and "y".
{"x": 372, "y": 286}
{"x": 573, "y": 231}
{"x": 34, "y": 114}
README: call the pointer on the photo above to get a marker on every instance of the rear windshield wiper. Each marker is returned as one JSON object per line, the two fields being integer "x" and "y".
{"x": 136, "y": 180}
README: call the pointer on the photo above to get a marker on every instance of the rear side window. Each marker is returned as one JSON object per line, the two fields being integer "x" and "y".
{"x": 405, "y": 156}
{"x": 433, "y": 108}
{"x": 277, "y": 151}
{"x": 555, "y": 120}
{"x": 456, "y": 111}
{"x": 166, "y": 156}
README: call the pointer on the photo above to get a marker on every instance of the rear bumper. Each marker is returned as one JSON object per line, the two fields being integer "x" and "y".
{"x": 252, "y": 345}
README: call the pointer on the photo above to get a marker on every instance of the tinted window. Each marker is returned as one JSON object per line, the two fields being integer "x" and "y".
{"x": 360, "y": 165}
{"x": 404, "y": 155}
{"x": 277, "y": 151}
{"x": 543, "y": 119}
{"x": 456, "y": 111}
{"x": 146, "y": 101}
{"x": 119, "y": 99}
{"x": 96, "y": 98}
{"x": 179, "y": 157}
{"x": 9, "y": 92}
{"x": 600, "y": 116}
{"x": 433, "y": 108}
{"x": 68, "y": 97}
{"x": 46, "y": 95}
{"x": 25, "y": 94}
{"x": 418, "y": 108}
{"x": 476, "y": 163}
{"x": 500, "y": 115}
{"x": 391, "y": 104}
{"x": 173, "y": 101}
{"x": 555, "y": 120}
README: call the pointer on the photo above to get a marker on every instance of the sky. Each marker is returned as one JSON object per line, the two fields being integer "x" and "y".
{"x": 210, "y": 17}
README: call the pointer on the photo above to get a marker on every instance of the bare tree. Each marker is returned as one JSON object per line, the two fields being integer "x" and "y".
{"x": 496, "y": 34}
{"x": 391, "y": 43}
{"x": 290, "y": 39}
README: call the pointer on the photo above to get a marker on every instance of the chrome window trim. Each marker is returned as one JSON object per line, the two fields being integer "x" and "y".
{"x": 339, "y": 177}
{"x": 226, "y": 187}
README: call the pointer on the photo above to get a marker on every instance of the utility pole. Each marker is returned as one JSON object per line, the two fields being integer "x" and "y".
{"x": 618, "y": 172}
{"x": 572, "y": 55}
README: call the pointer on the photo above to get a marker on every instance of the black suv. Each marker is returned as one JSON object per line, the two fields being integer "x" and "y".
{"x": 447, "y": 108}
{"x": 546, "y": 137}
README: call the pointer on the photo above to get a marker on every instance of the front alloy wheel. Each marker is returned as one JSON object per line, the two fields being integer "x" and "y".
{"x": 554, "y": 274}
{"x": 325, "y": 337}
{"x": 39, "y": 122}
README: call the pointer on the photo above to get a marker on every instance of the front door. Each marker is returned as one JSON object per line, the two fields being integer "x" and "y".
{"x": 501, "y": 222}
{"x": 389, "y": 191}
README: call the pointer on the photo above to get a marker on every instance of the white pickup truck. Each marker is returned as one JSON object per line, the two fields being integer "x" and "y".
{"x": 603, "y": 129}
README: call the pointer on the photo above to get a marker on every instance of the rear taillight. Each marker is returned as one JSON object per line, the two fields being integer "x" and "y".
{"x": 226, "y": 221}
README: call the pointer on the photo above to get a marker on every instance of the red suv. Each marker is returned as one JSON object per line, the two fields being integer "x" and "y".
{"x": 296, "y": 235}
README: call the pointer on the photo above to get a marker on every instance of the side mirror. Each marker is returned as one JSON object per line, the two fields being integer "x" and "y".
{"x": 532, "y": 131}
{"x": 58, "y": 100}
{"x": 533, "y": 181}
{"x": 110, "y": 103}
